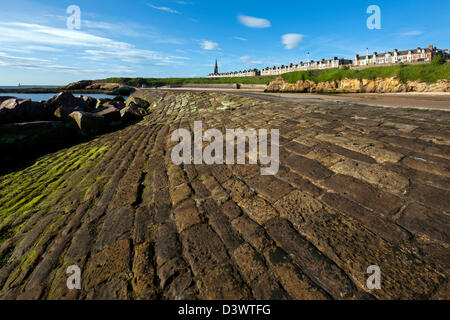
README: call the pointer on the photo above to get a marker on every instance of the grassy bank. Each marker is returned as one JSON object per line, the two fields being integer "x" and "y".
{"x": 168, "y": 81}
{"x": 423, "y": 73}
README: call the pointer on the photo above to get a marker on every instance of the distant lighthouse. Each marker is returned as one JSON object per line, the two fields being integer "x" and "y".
{"x": 216, "y": 68}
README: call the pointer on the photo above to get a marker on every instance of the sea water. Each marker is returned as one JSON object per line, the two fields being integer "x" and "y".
{"x": 46, "y": 96}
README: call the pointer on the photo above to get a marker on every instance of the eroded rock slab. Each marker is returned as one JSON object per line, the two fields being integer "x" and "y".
{"x": 358, "y": 186}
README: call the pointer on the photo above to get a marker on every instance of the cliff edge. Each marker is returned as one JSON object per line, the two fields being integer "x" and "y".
{"x": 379, "y": 85}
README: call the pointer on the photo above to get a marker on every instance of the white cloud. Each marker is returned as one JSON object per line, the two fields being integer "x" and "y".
{"x": 248, "y": 60}
{"x": 240, "y": 38}
{"x": 253, "y": 22}
{"x": 98, "y": 25}
{"x": 30, "y": 49}
{"x": 126, "y": 28}
{"x": 209, "y": 45}
{"x": 44, "y": 48}
{"x": 25, "y": 33}
{"x": 291, "y": 40}
{"x": 32, "y": 37}
{"x": 13, "y": 61}
{"x": 46, "y": 65}
{"x": 412, "y": 33}
{"x": 166, "y": 9}
{"x": 132, "y": 56}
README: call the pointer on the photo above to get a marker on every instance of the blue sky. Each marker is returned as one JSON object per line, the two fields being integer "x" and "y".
{"x": 174, "y": 38}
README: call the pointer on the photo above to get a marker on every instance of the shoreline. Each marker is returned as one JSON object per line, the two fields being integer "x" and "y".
{"x": 415, "y": 100}
{"x": 56, "y": 91}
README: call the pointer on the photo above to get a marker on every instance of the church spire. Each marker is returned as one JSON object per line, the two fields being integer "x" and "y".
{"x": 216, "y": 68}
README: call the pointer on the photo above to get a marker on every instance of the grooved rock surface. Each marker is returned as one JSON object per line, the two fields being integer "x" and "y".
{"x": 357, "y": 186}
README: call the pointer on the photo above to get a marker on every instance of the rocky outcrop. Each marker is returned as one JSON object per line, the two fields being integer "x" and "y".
{"x": 18, "y": 110}
{"x": 106, "y": 103}
{"x": 80, "y": 85}
{"x": 133, "y": 112}
{"x": 21, "y": 141}
{"x": 379, "y": 85}
{"x": 98, "y": 86}
{"x": 65, "y": 103}
{"x": 440, "y": 86}
{"x": 28, "y": 127}
{"x": 91, "y": 102}
{"x": 103, "y": 86}
{"x": 3, "y": 98}
{"x": 111, "y": 115}
{"x": 89, "y": 123}
{"x": 138, "y": 101}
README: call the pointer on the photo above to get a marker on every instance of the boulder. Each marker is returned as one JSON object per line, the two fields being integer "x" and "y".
{"x": 17, "y": 110}
{"x": 4, "y": 98}
{"x": 12, "y": 110}
{"x": 63, "y": 113}
{"x": 89, "y": 123}
{"x": 111, "y": 115}
{"x": 90, "y": 102}
{"x": 138, "y": 101}
{"x": 13, "y": 103}
{"x": 132, "y": 113}
{"x": 65, "y": 103}
{"x": 63, "y": 99}
{"x": 119, "y": 99}
{"x": 38, "y": 112}
{"x": 21, "y": 141}
{"x": 106, "y": 103}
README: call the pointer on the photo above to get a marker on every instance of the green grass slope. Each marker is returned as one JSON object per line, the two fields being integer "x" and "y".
{"x": 424, "y": 73}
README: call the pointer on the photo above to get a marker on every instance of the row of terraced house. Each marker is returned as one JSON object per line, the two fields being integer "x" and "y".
{"x": 419, "y": 55}
{"x": 405, "y": 56}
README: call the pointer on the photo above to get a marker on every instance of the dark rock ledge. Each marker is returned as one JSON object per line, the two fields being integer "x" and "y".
{"x": 29, "y": 129}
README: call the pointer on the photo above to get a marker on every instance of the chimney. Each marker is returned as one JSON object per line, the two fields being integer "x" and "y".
{"x": 431, "y": 47}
